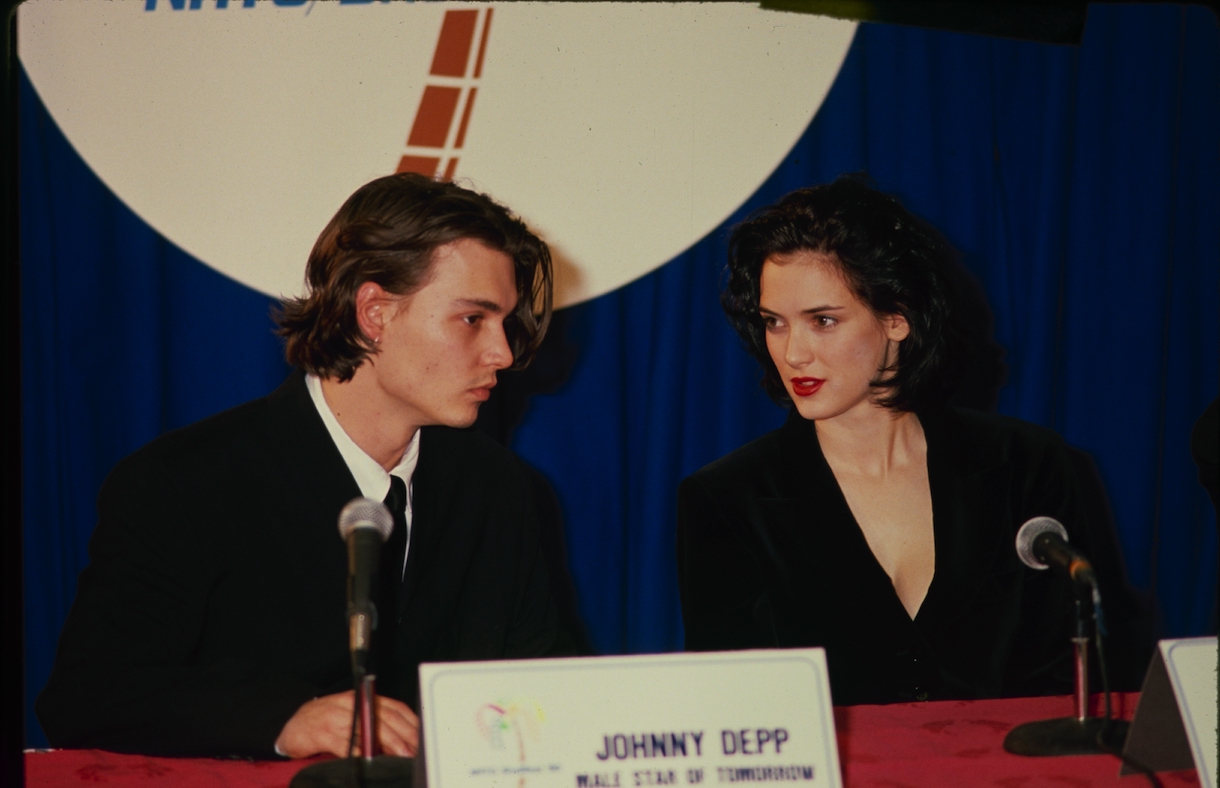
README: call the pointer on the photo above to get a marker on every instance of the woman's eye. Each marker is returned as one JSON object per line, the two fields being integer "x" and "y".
{"x": 824, "y": 321}
{"x": 769, "y": 323}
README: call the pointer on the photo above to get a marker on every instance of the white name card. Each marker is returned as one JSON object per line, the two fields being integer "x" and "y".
{"x": 750, "y": 717}
{"x": 1175, "y": 721}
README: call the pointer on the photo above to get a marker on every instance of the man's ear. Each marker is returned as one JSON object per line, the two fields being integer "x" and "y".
{"x": 374, "y": 308}
{"x": 896, "y": 327}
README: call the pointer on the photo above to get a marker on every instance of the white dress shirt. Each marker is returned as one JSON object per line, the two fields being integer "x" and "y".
{"x": 372, "y": 479}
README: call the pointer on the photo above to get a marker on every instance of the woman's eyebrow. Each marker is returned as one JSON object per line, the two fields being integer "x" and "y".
{"x": 810, "y": 311}
{"x": 822, "y": 308}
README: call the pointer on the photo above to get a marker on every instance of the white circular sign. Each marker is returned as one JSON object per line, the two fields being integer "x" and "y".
{"x": 622, "y": 132}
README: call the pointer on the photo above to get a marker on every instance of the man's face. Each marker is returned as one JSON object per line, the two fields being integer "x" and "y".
{"x": 441, "y": 346}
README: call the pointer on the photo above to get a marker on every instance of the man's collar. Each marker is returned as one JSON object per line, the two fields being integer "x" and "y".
{"x": 373, "y": 480}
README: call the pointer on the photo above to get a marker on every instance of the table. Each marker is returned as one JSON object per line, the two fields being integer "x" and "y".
{"x": 908, "y": 745}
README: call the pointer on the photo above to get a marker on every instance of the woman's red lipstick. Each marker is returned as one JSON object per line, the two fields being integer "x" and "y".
{"x": 805, "y": 387}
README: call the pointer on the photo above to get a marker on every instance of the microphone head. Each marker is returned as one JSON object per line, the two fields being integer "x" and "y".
{"x": 365, "y": 513}
{"x": 1032, "y": 530}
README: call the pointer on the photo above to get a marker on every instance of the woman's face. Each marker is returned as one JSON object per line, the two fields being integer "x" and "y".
{"x": 825, "y": 342}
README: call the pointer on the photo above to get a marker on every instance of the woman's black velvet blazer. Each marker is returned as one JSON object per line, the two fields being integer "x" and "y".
{"x": 770, "y": 556}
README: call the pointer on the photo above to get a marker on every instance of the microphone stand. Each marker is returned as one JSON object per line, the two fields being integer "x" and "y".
{"x": 368, "y": 727}
{"x": 1081, "y": 734}
{"x": 370, "y": 770}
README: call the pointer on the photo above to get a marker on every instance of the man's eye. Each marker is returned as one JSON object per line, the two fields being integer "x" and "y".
{"x": 473, "y": 319}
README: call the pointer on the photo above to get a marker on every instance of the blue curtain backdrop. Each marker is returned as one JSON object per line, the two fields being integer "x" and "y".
{"x": 1081, "y": 186}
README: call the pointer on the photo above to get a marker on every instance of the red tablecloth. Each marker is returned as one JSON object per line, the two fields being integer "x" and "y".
{"x": 952, "y": 743}
{"x": 947, "y": 743}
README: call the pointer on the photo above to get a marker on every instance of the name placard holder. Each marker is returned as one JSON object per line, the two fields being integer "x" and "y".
{"x": 630, "y": 722}
{"x": 1175, "y": 722}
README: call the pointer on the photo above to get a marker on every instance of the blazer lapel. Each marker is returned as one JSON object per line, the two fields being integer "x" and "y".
{"x": 814, "y": 542}
{"x": 968, "y": 498}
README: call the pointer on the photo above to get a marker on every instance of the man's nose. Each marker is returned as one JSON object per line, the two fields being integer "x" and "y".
{"x": 498, "y": 353}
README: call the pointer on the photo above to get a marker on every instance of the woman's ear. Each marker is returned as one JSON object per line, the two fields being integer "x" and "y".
{"x": 374, "y": 307}
{"x": 896, "y": 327}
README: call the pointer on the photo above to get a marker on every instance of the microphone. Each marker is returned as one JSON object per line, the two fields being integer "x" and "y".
{"x": 1043, "y": 541}
{"x": 364, "y": 524}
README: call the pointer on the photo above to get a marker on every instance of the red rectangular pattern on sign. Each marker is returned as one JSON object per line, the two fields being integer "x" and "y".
{"x": 461, "y": 135}
{"x": 434, "y": 116}
{"x": 478, "y": 66}
{"x": 423, "y": 165}
{"x": 453, "y": 48}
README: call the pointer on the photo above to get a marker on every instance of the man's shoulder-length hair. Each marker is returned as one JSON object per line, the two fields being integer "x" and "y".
{"x": 386, "y": 232}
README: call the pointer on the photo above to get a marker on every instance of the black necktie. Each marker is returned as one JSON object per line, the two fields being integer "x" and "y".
{"x": 396, "y": 545}
{"x": 391, "y": 569}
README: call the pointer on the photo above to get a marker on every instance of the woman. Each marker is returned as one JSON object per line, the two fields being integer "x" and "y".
{"x": 878, "y": 522}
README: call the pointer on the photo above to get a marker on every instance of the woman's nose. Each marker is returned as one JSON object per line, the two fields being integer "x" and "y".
{"x": 799, "y": 351}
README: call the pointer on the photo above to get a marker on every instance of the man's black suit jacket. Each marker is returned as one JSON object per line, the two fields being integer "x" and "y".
{"x": 770, "y": 556}
{"x": 214, "y": 602}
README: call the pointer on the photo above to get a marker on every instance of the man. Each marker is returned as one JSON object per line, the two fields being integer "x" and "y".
{"x": 211, "y": 619}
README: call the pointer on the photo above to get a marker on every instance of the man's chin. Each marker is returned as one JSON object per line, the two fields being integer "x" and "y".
{"x": 464, "y": 420}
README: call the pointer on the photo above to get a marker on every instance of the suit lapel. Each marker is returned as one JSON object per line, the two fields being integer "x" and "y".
{"x": 424, "y": 528}
{"x": 302, "y": 486}
{"x": 311, "y": 465}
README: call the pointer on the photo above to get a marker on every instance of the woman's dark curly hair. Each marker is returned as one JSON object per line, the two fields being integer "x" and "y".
{"x": 386, "y": 233}
{"x": 894, "y": 262}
